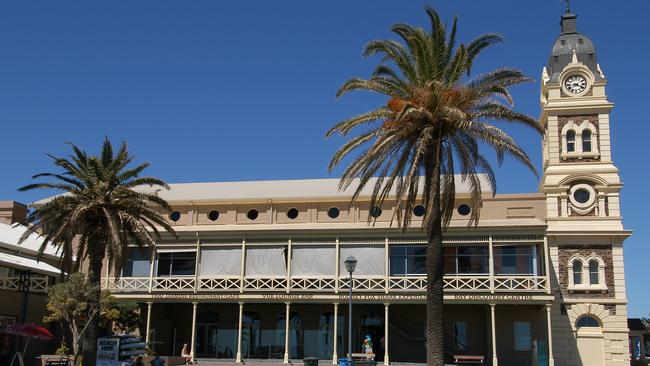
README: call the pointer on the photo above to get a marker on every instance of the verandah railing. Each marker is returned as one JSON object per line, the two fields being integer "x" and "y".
{"x": 453, "y": 283}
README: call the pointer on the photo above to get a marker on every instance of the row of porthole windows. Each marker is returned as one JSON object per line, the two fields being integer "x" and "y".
{"x": 333, "y": 212}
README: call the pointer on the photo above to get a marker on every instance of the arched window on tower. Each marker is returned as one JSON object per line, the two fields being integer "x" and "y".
{"x": 594, "y": 272}
{"x": 571, "y": 141}
{"x": 577, "y": 272}
{"x": 586, "y": 141}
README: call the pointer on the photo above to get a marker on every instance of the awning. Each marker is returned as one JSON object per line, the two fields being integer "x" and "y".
{"x": 33, "y": 265}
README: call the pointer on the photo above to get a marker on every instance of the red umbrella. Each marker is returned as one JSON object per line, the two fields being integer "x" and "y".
{"x": 30, "y": 330}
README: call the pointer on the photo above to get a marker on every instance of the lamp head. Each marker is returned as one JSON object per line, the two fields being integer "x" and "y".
{"x": 350, "y": 263}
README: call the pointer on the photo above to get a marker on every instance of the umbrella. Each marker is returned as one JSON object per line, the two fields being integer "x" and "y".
{"x": 30, "y": 331}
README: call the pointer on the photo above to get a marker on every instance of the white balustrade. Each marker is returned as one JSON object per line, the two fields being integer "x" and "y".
{"x": 219, "y": 284}
{"x": 126, "y": 284}
{"x": 363, "y": 284}
{"x": 265, "y": 284}
{"x": 35, "y": 284}
{"x": 313, "y": 284}
{"x": 510, "y": 283}
{"x": 467, "y": 283}
{"x": 173, "y": 283}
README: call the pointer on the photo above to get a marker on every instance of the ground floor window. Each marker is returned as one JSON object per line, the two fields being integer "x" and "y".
{"x": 523, "y": 336}
{"x": 460, "y": 336}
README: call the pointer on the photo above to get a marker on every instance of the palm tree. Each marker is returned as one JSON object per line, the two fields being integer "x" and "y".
{"x": 103, "y": 208}
{"x": 432, "y": 126}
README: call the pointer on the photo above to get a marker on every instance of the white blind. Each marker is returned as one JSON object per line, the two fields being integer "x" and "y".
{"x": 313, "y": 261}
{"x": 370, "y": 260}
{"x": 266, "y": 261}
{"x": 220, "y": 261}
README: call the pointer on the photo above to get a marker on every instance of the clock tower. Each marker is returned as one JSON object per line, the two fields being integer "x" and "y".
{"x": 582, "y": 187}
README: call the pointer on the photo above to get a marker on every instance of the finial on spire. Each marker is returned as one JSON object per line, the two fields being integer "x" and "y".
{"x": 568, "y": 8}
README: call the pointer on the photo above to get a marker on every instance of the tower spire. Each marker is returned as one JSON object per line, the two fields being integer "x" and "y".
{"x": 568, "y": 8}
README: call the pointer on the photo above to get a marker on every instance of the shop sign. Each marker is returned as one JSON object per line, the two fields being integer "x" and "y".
{"x": 108, "y": 351}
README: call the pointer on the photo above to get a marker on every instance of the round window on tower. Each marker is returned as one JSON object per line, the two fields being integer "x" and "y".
{"x": 582, "y": 198}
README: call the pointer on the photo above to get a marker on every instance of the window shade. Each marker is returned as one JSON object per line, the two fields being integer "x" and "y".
{"x": 266, "y": 261}
{"x": 220, "y": 262}
{"x": 313, "y": 261}
{"x": 370, "y": 260}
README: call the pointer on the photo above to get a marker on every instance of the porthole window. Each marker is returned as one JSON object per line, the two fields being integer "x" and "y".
{"x": 581, "y": 195}
{"x": 587, "y": 322}
{"x": 464, "y": 209}
{"x": 375, "y": 211}
{"x": 175, "y": 216}
{"x": 419, "y": 210}
{"x": 292, "y": 213}
{"x": 213, "y": 215}
{"x": 583, "y": 198}
{"x": 333, "y": 212}
{"x": 252, "y": 214}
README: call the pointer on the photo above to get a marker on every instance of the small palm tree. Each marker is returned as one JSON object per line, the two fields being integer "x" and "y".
{"x": 432, "y": 126}
{"x": 104, "y": 207}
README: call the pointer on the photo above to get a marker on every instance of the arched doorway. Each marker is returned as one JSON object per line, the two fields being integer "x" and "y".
{"x": 296, "y": 340}
{"x": 251, "y": 335}
{"x": 207, "y": 323}
{"x": 590, "y": 341}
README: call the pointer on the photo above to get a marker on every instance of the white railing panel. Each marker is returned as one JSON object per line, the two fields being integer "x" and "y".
{"x": 126, "y": 284}
{"x": 363, "y": 284}
{"x": 17, "y": 283}
{"x": 467, "y": 283}
{"x": 173, "y": 284}
{"x": 407, "y": 283}
{"x": 519, "y": 283}
{"x": 219, "y": 284}
{"x": 313, "y": 284}
{"x": 265, "y": 284}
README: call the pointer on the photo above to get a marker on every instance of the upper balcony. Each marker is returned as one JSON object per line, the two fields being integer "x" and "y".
{"x": 482, "y": 263}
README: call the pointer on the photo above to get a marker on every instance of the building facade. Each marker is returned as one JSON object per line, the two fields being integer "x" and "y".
{"x": 257, "y": 271}
{"x": 24, "y": 281}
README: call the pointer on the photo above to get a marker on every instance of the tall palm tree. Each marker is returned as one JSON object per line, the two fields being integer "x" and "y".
{"x": 432, "y": 126}
{"x": 104, "y": 207}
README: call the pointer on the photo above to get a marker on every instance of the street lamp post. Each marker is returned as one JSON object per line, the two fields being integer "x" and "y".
{"x": 350, "y": 265}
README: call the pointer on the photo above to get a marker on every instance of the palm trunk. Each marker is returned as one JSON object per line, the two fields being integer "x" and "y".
{"x": 96, "y": 256}
{"x": 435, "y": 269}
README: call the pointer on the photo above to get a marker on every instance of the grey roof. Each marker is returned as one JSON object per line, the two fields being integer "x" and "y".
{"x": 566, "y": 43}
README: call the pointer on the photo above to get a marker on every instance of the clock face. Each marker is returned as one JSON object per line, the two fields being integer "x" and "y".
{"x": 575, "y": 84}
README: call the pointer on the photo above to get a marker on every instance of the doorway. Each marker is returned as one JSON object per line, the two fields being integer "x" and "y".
{"x": 206, "y": 334}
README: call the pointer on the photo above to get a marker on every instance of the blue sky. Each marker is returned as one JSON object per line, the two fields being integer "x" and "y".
{"x": 243, "y": 90}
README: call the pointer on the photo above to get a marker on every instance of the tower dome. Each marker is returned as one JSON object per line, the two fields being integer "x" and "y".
{"x": 569, "y": 41}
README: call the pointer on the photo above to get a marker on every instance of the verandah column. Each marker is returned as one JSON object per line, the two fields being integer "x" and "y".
{"x": 336, "y": 334}
{"x": 193, "y": 345}
{"x": 286, "y": 333}
{"x": 386, "y": 359}
{"x": 148, "y": 328}
{"x": 551, "y": 361}
{"x": 239, "y": 331}
{"x": 494, "y": 337}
